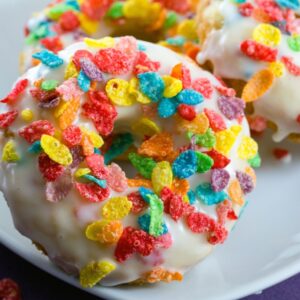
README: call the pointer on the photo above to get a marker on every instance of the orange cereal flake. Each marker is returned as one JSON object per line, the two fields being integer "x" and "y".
{"x": 258, "y": 85}
{"x": 235, "y": 192}
{"x": 138, "y": 182}
{"x": 199, "y": 125}
{"x": 69, "y": 114}
{"x": 180, "y": 186}
{"x": 160, "y": 274}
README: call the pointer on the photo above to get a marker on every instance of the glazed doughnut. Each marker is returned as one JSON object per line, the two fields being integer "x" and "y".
{"x": 124, "y": 161}
{"x": 256, "y": 42}
{"x": 67, "y": 21}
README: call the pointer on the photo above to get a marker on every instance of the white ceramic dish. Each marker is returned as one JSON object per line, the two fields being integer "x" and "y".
{"x": 263, "y": 249}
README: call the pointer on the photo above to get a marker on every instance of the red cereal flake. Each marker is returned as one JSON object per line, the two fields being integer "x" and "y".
{"x": 173, "y": 204}
{"x": 187, "y": 112}
{"x": 95, "y": 9}
{"x": 9, "y": 290}
{"x": 292, "y": 68}
{"x": 225, "y": 212}
{"x": 216, "y": 121}
{"x": 226, "y": 91}
{"x": 6, "y": 119}
{"x": 181, "y": 7}
{"x": 49, "y": 169}
{"x": 53, "y": 44}
{"x": 101, "y": 112}
{"x": 35, "y": 130}
{"x": 271, "y": 9}
{"x": 203, "y": 86}
{"x": 72, "y": 136}
{"x": 257, "y": 123}
{"x": 144, "y": 64}
{"x": 246, "y": 9}
{"x": 92, "y": 192}
{"x": 199, "y": 222}
{"x": 116, "y": 178}
{"x": 79, "y": 54}
{"x": 258, "y": 51}
{"x": 220, "y": 160}
{"x": 96, "y": 163}
{"x": 164, "y": 241}
{"x": 298, "y": 119}
{"x": 218, "y": 234}
{"x": 280, "y": 153}
{"x": 134, "y": 241}
{"x": 113, "y": 61}
{"x": 69, "y": 21}
{"x": 182, "y": 73}
{"x": 19, "y": 88}
{"x": 138, "y": 203}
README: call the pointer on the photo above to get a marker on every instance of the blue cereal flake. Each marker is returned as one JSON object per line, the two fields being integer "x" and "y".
{"x": 35, "y": 148}
{"x": 189, "y": 97}
{"x": 144, "y": 223}
{"x": 292, "y": 4}
{"x": 120, "y": 144}
{"x": 97, "y": 151}
{"x": 49, "y": 59}
{"x": 185, "y": 164}
{"x": 167, "y": 107}
{"x": 144, "y": 192}
{"x": 176, "y": 41}
{"x": 192, "y": 197}
{"x": 205, "y": 193}
{"x": 74, "y": 4}
{"x": 152, "y": 85}
{"x": 142, "y": 47}
{"x": 83, "y": 82}
{"x": 100, "y": 182}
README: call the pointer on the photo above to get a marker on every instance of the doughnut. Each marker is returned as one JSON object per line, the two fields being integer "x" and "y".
{"x": 258, "y": 43}
{"x": 124, "y": 161}
{"x": 67, "y": 21}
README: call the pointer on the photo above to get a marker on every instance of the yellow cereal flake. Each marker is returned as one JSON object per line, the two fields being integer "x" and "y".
{"x": 27, "y": 115}
{"x": 94, "y": 272}
{"x": 87, "y": 25}
{"x": 71, "y": 70}
{"x": 9, "y": 152}
{"x": 162, "y": 176}
{"x": 81, "y": 172}
{"x": 104, "y": 231}
{"x": 57, "y": 151}
{"x": 188, "y": 29}
{"x": 277, "y": 68}
{"x": 225, "y": 139}
{"x": 134, "y": 92}
{"x": 267, "y": 34}
{"x": 117, "y": 92}
{"x": 146, "y": 127}
{"x": 95, "y": 138}
{"x": 106, "y": 42}
{"x": 248, "y": 148}
{"x": 116, "y": 208}
{"x": 173, "y": 86}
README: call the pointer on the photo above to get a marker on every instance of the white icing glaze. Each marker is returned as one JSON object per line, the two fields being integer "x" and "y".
{"x": 59, "y": 227}
{"x": 281, "y": 103}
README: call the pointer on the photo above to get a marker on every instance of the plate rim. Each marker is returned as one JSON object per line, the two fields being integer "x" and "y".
{"x": 244, "y": 290}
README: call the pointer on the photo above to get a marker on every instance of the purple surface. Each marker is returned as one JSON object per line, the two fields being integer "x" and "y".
{"x": 38, "y": 285}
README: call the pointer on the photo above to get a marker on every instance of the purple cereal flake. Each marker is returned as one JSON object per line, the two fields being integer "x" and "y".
{"x": 245, "y": 181}
{"x": 59, "y": 189}
{"x": 219, "y": 179}
{"x": 231, "y": 107}
{"x": 90, "y": 69}
{"x": 78, "y": 156}
{"x": 51, "y": 103}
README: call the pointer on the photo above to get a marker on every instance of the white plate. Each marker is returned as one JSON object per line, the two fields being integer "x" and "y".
{"x": 263, "y": 249}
